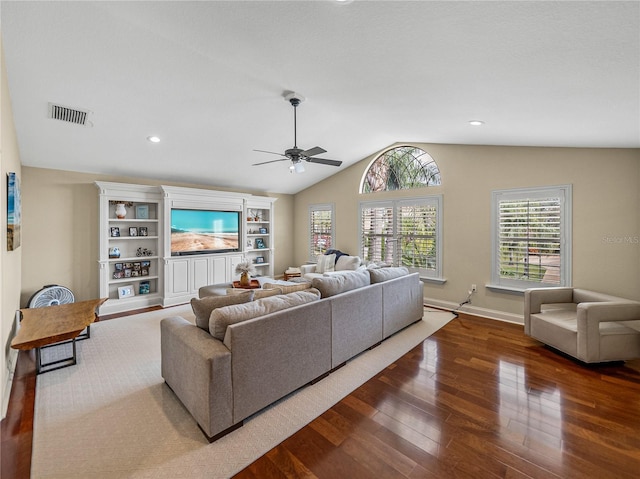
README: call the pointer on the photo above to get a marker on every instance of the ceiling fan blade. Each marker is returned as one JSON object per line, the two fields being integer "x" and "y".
{"x": 272, "y": 161}
{"x": 316, "y": 150}
{"x": 270, "y": 152}
{"x": 324, "y": 161}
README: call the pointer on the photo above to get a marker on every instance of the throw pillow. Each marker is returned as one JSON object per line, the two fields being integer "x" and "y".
{"x": 381, "y": 275}
{"x": 340, "y": 283}
{"x": 221, "y": 318}
{"x": 202, "y": 307}
{"x": 347, "y": 263}
{"x": 286, "y": 289}
{"x": 325, "y": 263}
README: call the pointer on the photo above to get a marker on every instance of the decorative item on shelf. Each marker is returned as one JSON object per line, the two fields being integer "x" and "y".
{"x": 142, "y": 212}
{"x": 121, "y": 208}
{"x": 259, "y": 259}
{"x": 115, "y": 231}
{"x": 144, "y": 288}
{"x": 133, "y": 231}
{"x": 125, "y": 291}
{"x": 114, "y": 252}
{"x": 263, "y": 231}
{"x": 245, "y": 270}
{"x": 260, "y": 243}
{"x": 144, "y": 252}
{"x": 143, "y": 231}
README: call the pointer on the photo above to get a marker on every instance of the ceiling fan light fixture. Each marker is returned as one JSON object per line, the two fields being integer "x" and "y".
{"x": 298, "y": 167}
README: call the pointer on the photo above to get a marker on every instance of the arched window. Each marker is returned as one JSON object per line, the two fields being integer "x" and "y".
{"x": 401, "y": 168}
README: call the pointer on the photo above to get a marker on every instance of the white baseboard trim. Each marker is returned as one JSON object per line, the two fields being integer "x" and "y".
{"x": 11, "y": 367}
{"x": 475, "y": 310}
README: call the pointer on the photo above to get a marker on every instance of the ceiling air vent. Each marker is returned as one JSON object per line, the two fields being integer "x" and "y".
{"x": 71, "y": 115}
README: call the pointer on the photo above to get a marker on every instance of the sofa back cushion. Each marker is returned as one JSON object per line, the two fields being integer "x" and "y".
{"x": 286, "y": 289}
{"x": 347, "y": 263}
{"x": 221, "y": 318}
{"x": 380, "y": 275}
{"x": 202, "y": 307}
{"x": 257, "y": 293}
{"x": 340, "y": 283}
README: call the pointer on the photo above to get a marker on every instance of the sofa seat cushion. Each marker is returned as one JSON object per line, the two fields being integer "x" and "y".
{"x": 380, "y": 275}
{"x": 286, "y": 289}
{"x": 340, "y": 283}
{"x": 221, "y": 318}
{"x": 202, "y": 308}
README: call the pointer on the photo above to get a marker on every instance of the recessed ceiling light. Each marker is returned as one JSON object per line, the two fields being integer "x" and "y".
{"x": 153, "y": 139}
{"x": 476, "y": 123}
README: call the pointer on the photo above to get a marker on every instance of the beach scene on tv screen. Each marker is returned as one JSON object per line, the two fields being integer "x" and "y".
{"x": 199, "y": 230}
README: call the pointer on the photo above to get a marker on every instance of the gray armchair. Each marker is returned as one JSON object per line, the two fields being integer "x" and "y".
{"x": 592, "y": 327}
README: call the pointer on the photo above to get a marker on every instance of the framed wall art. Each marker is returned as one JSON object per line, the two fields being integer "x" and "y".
{"x": 14, "y": 212}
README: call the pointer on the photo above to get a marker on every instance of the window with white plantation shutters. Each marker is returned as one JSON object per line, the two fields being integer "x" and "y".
{"x": 532, "y": 231}
{"x": 320, "y": 230}
{"x": 378, "y": 240}
{"x": 403, "y": 233}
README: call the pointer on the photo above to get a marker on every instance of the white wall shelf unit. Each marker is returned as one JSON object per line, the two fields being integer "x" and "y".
{"x": 138, "y": 240}
{"x": 259, "y": 239}
{"x": 143, "y": 240}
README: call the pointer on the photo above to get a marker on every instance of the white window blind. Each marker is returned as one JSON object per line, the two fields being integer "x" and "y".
{"x": 403, "y": 233}
{"x": 320, "y": 230}
{"x": 531, "y": 237}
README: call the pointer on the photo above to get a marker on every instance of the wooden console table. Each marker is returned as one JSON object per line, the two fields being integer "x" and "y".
{"x": 255, "y": 284}
{"x": 42, "y": 327}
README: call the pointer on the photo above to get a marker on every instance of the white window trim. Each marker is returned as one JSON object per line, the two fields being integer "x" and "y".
{"x": 565, "y": 192}
{"x": 321, "y": 207}
{"x": 437, "y": 200}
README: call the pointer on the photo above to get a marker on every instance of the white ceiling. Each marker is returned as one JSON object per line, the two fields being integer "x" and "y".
{"x": 208, "y": 78}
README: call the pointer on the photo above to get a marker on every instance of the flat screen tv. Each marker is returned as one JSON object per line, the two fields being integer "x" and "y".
{"x": 204, "y": 231}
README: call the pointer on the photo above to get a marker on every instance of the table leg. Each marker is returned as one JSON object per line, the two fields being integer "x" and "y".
{"x": 70, "y": 361}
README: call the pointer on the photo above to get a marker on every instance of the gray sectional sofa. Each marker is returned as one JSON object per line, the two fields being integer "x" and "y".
{"x": 254, "y": 352}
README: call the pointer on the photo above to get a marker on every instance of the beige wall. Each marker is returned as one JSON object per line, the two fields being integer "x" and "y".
{"x": 10, "y": 261}
{"x": 60, "y": 227}
{"x": 606, "y": 200}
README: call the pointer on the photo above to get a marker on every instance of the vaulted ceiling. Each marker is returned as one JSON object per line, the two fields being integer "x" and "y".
{"x": 208, "y": 78}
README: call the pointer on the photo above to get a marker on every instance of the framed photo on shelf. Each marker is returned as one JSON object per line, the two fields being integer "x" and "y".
{"x": 142, "y": 212}
{"x": 115, "y": 231}
{"x": 144, "y": 287}
{"x": 259, "y": 243}
{"x": 125, "y": 291}
{"x": 263, "y": 231}
{"x": 133, "y": 231}
{"x": 143, "y": 231}
{"x": 118, "y": 266}
{"x": 118, "y": 274}
{"x": 259, "y": 259}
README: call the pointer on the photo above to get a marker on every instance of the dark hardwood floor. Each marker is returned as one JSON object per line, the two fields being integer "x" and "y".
{"x": 476, "y": 400}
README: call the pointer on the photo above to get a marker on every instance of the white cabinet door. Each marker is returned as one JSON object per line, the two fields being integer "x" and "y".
{"x": 178, "y": 281}
{"x": 218, "y": 273}
{"x": 199, "y": 273}
{"x": 233, "y": 262}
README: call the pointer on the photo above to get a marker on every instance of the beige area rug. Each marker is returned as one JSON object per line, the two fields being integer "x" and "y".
{"x": 112, "y": 416}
